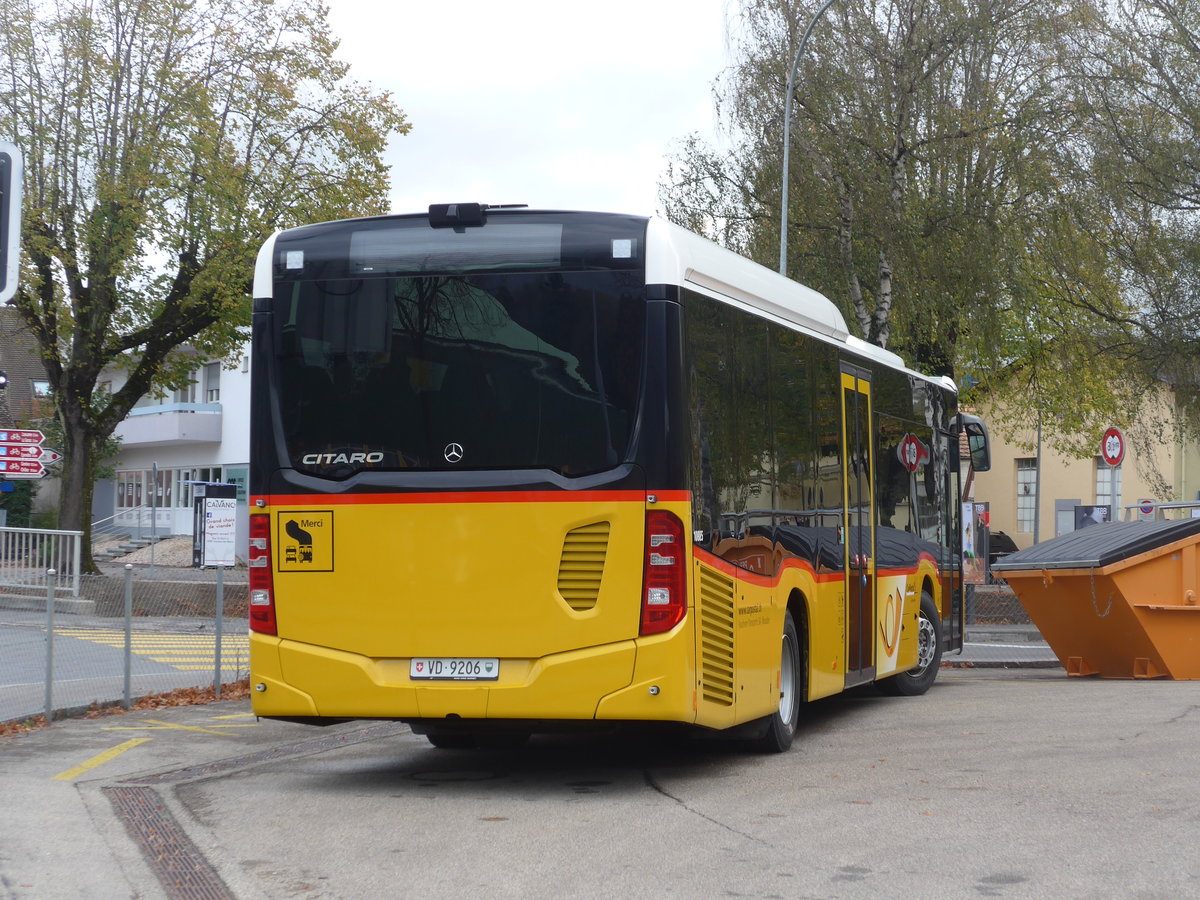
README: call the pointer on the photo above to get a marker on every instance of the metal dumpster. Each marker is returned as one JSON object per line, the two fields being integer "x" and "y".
{"x": 1120, "y": 600}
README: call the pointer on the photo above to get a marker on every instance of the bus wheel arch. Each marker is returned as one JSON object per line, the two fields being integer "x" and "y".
{"x": 779, "y": 728}
{"x": 798, "y": 608}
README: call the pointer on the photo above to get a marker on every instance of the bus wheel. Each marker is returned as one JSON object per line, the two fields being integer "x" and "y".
{"x": 779, "y": 728}
{"x": 916, "y": 681}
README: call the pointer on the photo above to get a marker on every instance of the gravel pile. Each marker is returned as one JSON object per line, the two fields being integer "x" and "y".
{"x": 167, "y": 552}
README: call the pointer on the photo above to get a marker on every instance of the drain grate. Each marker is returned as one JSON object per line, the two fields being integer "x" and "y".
{"x": 177, "y": 863}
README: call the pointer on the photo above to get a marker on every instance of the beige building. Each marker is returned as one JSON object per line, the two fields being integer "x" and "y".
{"x": 1159, "y": 466}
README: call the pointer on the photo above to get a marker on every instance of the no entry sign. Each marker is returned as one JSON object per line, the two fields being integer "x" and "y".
{"x": 1112, "y": 447}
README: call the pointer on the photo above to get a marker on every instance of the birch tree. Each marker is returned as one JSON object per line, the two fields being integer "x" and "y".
{"x": 923, "y": 131}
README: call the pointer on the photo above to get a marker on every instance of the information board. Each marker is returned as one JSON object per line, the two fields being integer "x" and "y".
{"x": 215, "y": 517}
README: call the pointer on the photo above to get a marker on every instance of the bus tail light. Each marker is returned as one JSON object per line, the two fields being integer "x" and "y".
{"x": 262, "y": 588}
{"x": 664, "y": 594}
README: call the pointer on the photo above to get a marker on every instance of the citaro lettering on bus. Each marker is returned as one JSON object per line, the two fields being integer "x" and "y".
{"x": 335, "y": 459}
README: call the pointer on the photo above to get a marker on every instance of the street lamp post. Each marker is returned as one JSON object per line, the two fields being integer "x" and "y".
{"x": 787, "y": 134}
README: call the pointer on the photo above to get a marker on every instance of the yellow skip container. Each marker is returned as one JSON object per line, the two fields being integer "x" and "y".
{"x": 1120, "y": 600}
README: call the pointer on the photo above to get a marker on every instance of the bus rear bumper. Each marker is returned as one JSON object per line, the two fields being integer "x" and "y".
{"x": 622, "y": 681}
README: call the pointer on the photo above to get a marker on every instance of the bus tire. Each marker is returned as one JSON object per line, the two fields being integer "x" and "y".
{"x": 779, "y": 728}
{"x": 917, "y": 681}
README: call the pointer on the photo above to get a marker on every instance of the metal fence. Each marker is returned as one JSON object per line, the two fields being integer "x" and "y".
{"x": 135, "y": 523}
{"x": 999, "y": 632}
{"x": 40, "y": 558}
{"x": 125, "y": 634}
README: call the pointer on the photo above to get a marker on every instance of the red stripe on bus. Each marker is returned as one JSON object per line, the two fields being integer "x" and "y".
{"x": 471, "y": 497}
{"x": 729, "y": 568}
{"x": 773, "y": 580}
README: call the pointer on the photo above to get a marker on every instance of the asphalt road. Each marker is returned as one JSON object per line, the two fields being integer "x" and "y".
{"x": 1005, "y": 783}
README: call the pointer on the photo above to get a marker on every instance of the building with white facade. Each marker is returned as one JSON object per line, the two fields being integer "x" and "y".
{"x": 200, "y": 433}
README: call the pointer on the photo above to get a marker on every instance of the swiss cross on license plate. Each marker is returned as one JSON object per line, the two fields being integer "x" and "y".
{"x": 454, "y": 668}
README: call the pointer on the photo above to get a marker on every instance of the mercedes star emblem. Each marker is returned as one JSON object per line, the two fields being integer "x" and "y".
{"x": 453, "y": 453}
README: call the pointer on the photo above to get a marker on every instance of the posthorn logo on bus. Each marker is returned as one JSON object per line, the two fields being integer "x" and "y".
{"x": 453, "y": 453}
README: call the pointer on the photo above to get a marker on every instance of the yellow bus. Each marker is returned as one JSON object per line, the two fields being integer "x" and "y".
{"x": 514, "y": 471}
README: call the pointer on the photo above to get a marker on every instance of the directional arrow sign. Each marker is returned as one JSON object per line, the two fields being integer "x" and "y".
{"x": 49, "y": 456}
{"x": 21, "y": 437}
{"x": 20, "y": 451}
{"x": 31, "y": 467}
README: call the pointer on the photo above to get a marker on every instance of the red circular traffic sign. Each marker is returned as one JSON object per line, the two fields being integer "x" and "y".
{"x": 1112, "y": 447}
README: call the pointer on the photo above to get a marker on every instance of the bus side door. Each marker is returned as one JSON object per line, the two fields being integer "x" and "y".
{"x": 858, "y": 491}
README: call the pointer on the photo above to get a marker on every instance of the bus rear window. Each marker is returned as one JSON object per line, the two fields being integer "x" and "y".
{"x": 462, "y": 371}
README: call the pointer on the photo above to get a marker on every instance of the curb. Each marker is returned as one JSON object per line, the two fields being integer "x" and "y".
{"x": 34, "y": 603}
{"x": 1002, "y": 664}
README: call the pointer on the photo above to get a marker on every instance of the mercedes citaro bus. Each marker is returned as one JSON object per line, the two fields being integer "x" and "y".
{"x": 516, "y": 470}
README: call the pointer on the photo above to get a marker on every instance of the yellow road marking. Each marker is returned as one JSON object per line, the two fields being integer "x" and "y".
{"x": 184, "y": 652}
{"x": 159, "y": 725}
{"x": 99, "y": 760}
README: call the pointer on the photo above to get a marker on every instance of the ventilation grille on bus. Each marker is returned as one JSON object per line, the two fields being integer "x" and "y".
{"x": 582, "y": 565}
{"x": 716, "y": 637}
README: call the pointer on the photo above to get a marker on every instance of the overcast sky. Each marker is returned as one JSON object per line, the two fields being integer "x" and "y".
{"x": 553, "y": 103}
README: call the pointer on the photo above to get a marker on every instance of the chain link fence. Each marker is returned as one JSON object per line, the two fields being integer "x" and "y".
{"x": 132, "y": 631}
{"x": 999, "y": 632}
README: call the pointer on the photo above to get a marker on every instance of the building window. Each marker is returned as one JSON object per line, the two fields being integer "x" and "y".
{"x": 129, "y": 489}
{"x": 134, "y": 489}
{"x": 185, "y": 479}
{"x": 41, "y": 405}
{"x": 1104, "y": 481}
{"x": 212, "y": 383}
{"x": 166, "y": 481}
{"x": 1027, "y": 490}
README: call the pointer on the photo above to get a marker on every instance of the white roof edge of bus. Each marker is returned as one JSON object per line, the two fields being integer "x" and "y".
{"x": 712, "y": 269}
{"x": 264, "y": 276}
{"x": 896, "y": 361}
{"x": 874, "y": 351}
{"x": 699, "y": 263}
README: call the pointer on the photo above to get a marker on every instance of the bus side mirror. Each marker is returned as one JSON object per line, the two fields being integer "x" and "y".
{"x": 978, "y": 443}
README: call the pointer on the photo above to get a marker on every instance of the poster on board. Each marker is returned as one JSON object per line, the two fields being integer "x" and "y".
{"x": 215, "y": 517}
